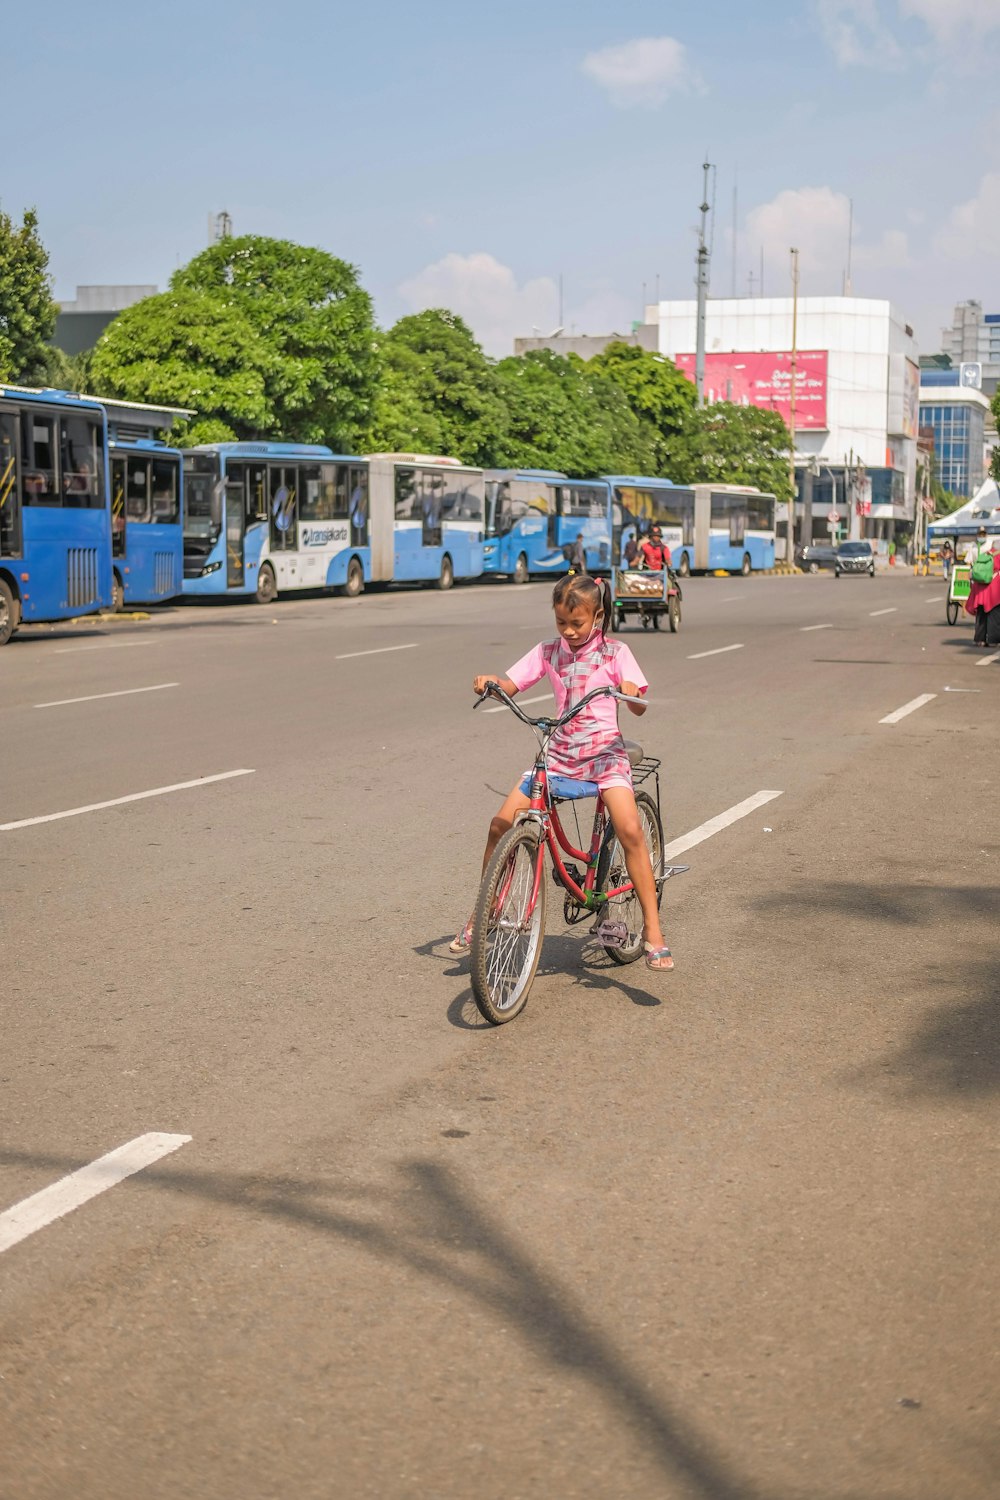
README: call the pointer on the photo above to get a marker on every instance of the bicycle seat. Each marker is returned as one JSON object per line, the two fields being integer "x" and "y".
{"x": 635, "y": 752}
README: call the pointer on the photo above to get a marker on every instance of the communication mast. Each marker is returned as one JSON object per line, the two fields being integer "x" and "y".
{"x": 704, "y": 255}
{"x": 220, "y": 227}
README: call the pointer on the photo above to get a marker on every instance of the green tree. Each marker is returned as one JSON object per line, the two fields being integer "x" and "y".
{"x": 657, "y": 392}
{"x": 438, "y": 391}
{"x": 27, "y": 309}
{"x": 562, "y": 414}
{"x": 314, "y": 324}
{"x": 188, "y": 349}
{"x": 731, "y": 444}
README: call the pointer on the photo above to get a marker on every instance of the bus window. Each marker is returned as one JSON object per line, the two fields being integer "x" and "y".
{"x": 38, "y": 447}
{"x": 406, "y": 495}
{"x": 164, "y": 499}
{"x": 255, "y": 494}
{"x": 282, "y": 491}
{"x": 10, "y": 513}
{"x": 136, "y": 489}
{"x": 82, "y": 470}
{"x": 432, "y": 495}
{"x": 202, "y": 499}
{"x": 316, "y": 485}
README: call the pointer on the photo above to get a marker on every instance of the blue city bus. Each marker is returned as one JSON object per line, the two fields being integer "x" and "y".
{"x": 260, "y": 518}
{"x": 706, "y": 527}
{"x": 55, "y": 523}
{"x": 534, "y": 516}
{"x": 427, "y": 519}
{"x": 147, "y": 542}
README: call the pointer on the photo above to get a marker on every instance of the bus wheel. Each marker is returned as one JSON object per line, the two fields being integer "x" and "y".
{"x": 267, "y": 589}
{"x": 355, "y": 579}
{"x": 117, "y": 594}
{"x": 685, "y": 566}
{"x": 8, "y": 613}
{"x": 521, "y": 569}
{"x": 447, "y": 574}
{"x": 745, "y": 565}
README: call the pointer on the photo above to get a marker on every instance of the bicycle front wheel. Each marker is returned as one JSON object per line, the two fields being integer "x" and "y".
{"x": 508, "y": 926}
{"x": 612, "y": 872}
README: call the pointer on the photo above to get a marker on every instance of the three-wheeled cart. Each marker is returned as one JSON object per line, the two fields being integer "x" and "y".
{"x": 958, "y": 591}
{"x": 646, "y": 595}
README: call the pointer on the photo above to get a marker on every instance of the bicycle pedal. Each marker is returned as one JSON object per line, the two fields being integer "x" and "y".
{"x": 611, "y": 934}
{"x": 669, "y": 870}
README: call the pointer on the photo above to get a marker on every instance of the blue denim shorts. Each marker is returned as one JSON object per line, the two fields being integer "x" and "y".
{"x": 562, "y": 786}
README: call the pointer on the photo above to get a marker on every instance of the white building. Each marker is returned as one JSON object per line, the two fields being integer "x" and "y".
{"x": 857, "y": 393}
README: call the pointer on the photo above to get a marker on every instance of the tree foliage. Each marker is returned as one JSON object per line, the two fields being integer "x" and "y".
{"x": 27, "y": 308}
{"x": 314, "y": 324}
{"x": 260, "y": 337}
{"x": 185, "y": 348}
{"x": 657, "y": 392}
{"x": 438, "y": 392}
{"x": 732, "y": 444}
{"x": 563, "y": 414}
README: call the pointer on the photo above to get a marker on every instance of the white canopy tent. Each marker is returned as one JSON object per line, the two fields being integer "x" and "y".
{"x": 982, "y": 510}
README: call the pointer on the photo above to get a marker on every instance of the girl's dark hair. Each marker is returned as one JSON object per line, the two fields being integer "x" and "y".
{"x": 580, "y": 588}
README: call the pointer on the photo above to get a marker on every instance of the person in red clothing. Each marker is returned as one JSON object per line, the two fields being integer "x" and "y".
{"x": 655, "y": 551}
{"x": 983, "y": 604}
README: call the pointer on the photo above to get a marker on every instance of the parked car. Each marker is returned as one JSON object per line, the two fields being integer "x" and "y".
{"x": 811, "y": 558}
{"x": 854, "y": 557}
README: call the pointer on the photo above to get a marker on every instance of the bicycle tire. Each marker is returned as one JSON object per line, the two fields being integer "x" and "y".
{"x": 611, "y": 860}
{"x": 952, "y": 612}
{"x": 506, "y": 944}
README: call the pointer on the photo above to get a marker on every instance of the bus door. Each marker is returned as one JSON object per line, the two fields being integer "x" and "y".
{"x": 283, "y": 483}
{"x": 119, "y": 482}
{"x": 432, "y": 494}
{"x": 235, "y": 532}
{"x": 555, "y": 492}
{"x": 10, "y": 490}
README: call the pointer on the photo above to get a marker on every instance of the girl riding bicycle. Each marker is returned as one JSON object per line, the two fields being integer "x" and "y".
{"x": 589, "y": 748}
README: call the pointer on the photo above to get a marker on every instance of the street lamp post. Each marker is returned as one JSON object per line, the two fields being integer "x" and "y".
{"x": 791, "y": 424}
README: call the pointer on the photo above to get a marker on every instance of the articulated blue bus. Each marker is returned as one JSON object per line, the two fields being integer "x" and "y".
{"x": 55, "y": 525}
{"x": 534, "y": 516}
{"x": 268, "y": 518}
{"x": 147, "y": 544}
{"x": 427, "y": 519}
{"x": 707, "y": 527}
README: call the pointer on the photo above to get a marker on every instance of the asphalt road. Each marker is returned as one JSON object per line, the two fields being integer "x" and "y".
{"x": 728, "y": 1232}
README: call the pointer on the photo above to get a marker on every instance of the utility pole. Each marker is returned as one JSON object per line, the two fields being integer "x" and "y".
{"x": 791, "y": 398}
{"x": 702, "y": 284}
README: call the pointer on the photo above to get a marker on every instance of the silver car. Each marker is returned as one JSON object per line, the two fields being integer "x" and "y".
{"x": 854, "y": 557}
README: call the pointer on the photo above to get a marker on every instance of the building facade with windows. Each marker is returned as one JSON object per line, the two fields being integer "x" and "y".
{"x": 857, "y": 384}
{"x": 958, "y": 418}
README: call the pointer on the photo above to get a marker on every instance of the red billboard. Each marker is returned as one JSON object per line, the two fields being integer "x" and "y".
{"x": 766, "y": 380}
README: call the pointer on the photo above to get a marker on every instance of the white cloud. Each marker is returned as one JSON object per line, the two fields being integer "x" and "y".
{"x": 816, "y": 221}
{"x": 973, "y": 228}
{"x": 951, "y": 22}
{"x": 641, "y": 74}
{"x": 857, "y": 35}
{"x": 486, "y": 294}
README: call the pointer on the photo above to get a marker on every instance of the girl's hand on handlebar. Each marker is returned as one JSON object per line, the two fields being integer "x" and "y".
{"x": 631, "y": 690}
{"x": 487, "y": 680}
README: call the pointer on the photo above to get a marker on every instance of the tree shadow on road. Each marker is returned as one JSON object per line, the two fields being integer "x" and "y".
{"x": 431, "y": 1223}
{"x": 956, "y": 1048}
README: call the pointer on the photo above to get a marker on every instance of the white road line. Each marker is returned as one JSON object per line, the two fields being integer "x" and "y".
{"x": 378, "y": 651}
{"x": 938, "y": 599}
{"x": 985, "y": 661}
{"x": 719, "y": 651}
{"x": 157, "y": 791}
{"x": 501, "y": 708}
{"x": 873, "y": 614}
{"x": 108, "y": 646}
{"x": 717, "y": 824}
{"x": 43, "y": 1208}
{"x": 122, "y": 693}
{"x": 804, "y": 628}
{"x": 908, "y": 708}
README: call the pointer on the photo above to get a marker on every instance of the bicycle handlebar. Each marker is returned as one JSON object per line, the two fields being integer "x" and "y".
{"x": 494, "y": 690}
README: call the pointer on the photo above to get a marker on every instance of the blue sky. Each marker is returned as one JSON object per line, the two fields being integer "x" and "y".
{"x": 467, "y": 155}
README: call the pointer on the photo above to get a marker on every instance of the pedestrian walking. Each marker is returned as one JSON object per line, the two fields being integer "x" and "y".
{"x": 984, "y": 601}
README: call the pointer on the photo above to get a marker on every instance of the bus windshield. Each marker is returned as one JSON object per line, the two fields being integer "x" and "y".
{"x": 202, "y": 496}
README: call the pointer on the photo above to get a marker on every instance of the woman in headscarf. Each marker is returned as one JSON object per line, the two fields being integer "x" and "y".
{"x": 983, "y": 604}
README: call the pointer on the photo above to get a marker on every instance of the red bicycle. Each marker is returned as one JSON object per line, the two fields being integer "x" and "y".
{"x": 509, "y": 920}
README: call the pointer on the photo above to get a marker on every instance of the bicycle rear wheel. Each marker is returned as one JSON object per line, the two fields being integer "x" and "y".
{"x": 508, "y": 926}
{"x": 612, "y": 871}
